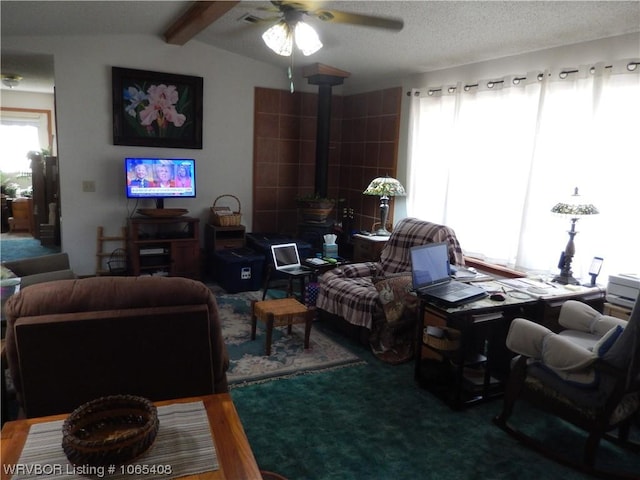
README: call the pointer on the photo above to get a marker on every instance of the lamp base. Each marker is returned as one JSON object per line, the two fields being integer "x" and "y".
{"x": 565, "y": 280}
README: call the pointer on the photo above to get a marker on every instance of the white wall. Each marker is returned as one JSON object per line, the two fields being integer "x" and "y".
{"x": 84, "y": 114}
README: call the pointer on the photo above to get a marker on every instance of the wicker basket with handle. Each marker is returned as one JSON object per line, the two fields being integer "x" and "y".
{"x": 223, "y": 216}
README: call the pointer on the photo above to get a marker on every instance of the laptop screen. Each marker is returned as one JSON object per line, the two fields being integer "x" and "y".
{"x": 429, "y": 264}
{"x": 285, "y": 255}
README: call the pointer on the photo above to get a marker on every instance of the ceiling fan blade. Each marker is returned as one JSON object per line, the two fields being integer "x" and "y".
{"x": 268, "y": 9}
{"x": 301, "y": 5}
{"x": 335, "y": 16}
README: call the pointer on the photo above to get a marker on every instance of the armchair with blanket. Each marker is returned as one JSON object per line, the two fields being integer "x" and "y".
{"x": 70, "y": 341}
{"x": 375, "y": 297}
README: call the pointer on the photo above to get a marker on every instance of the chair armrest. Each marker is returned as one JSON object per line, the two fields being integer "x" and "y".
{"x": 555, "y": 351}
{"x": 575, "y": 315}
{"x": 355, "y": 270}
{"x": 526, "y": 337}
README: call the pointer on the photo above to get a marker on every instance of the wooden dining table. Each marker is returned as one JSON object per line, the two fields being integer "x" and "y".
{"x": 235, "y": 457}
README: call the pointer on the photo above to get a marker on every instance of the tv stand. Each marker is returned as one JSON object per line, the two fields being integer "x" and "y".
{"x": 164, "y": 246}
{"x": 159, "y": 203}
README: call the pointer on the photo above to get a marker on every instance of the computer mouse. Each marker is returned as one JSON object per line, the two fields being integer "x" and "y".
{"x": 497, "y": 297}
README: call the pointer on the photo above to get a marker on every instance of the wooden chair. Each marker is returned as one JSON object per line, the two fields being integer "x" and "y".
{"x": 22, "y": 217}
{"x": 587, "y": 375}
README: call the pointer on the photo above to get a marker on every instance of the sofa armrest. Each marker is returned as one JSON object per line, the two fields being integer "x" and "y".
{"x": 35, "y": 265}
{"x": 46, "y": 277}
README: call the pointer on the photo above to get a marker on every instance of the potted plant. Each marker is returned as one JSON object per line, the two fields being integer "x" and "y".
{"x": 315, "y": 208}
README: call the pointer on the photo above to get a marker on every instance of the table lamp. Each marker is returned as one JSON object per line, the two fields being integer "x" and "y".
{"x": 574, "y": 208}
{"x": 384, "y": 187}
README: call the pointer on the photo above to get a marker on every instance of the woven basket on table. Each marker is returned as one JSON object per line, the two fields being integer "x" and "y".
{"x": 223, "y": 216}
{"x": 109, "y": 430}
{"x": 450, "y": 341}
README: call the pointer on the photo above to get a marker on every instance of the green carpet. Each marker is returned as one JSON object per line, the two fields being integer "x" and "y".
{"x": 15, "y": 249}
{"x": 373, "y": 422}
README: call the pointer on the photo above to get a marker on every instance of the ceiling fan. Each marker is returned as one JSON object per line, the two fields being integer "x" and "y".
{"x": 291, "y": 26}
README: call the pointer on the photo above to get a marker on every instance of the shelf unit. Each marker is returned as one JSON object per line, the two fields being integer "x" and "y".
{"x": 218, "y": 238}
{"x": 470, "y": 371}
{"x": 164, "y": 246}
{"x": 222, "y": 238}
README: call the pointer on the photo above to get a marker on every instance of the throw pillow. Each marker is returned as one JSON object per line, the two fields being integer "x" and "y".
{"x": 605, "y": 343}
{"x": 396, "y": 296}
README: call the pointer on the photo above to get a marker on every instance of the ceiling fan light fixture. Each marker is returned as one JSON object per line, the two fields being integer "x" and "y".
{"x": 11, "y": 80}
{"x": 279, "y": 38}
{"x": 307, "y": 39}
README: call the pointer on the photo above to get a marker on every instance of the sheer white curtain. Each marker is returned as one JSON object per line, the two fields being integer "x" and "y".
{"x": 491, "y": 161}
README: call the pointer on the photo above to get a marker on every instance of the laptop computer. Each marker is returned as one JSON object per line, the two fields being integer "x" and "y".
{"x": 431, "y": 277}
{"x": 287, "y": 259}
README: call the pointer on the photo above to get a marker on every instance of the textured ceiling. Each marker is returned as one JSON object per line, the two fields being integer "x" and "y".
{"x": 436, "y": 35}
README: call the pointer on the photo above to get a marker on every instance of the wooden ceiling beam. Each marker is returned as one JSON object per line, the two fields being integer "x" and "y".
{"x": 199, "y": 16}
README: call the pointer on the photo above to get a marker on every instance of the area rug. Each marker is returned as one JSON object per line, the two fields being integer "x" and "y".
{"x": 248, "y": 362}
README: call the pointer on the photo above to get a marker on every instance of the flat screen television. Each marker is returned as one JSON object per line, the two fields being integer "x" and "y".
{"x": 159, "y": 178}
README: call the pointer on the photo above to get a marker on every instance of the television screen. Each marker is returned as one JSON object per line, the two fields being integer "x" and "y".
{"x": 160, "y": 177}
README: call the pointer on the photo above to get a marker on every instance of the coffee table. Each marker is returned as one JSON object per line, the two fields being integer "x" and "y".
{"x": 235, "y": 458}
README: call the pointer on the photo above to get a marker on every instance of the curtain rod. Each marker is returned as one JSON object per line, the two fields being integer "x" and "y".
{"x": 631, "y": 66}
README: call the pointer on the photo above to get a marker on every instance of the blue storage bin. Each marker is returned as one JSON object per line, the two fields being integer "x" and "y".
{"x": 239, "y": 269}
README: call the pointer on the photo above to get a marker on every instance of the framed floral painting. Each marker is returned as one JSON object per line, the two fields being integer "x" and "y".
{"x": 154, "y": 109}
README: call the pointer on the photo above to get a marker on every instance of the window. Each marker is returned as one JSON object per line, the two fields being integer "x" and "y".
{"x": 491, "y": 160}
{"x": 22, "y": 130}
{"x": 15, "y": 142}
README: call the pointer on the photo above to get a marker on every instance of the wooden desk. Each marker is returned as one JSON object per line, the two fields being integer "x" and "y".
{"x": 477, "y": 368}
{"x": 232, "y": 447}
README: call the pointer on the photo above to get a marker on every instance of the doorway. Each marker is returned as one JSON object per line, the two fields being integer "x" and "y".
{"x": 27, "y": 126}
